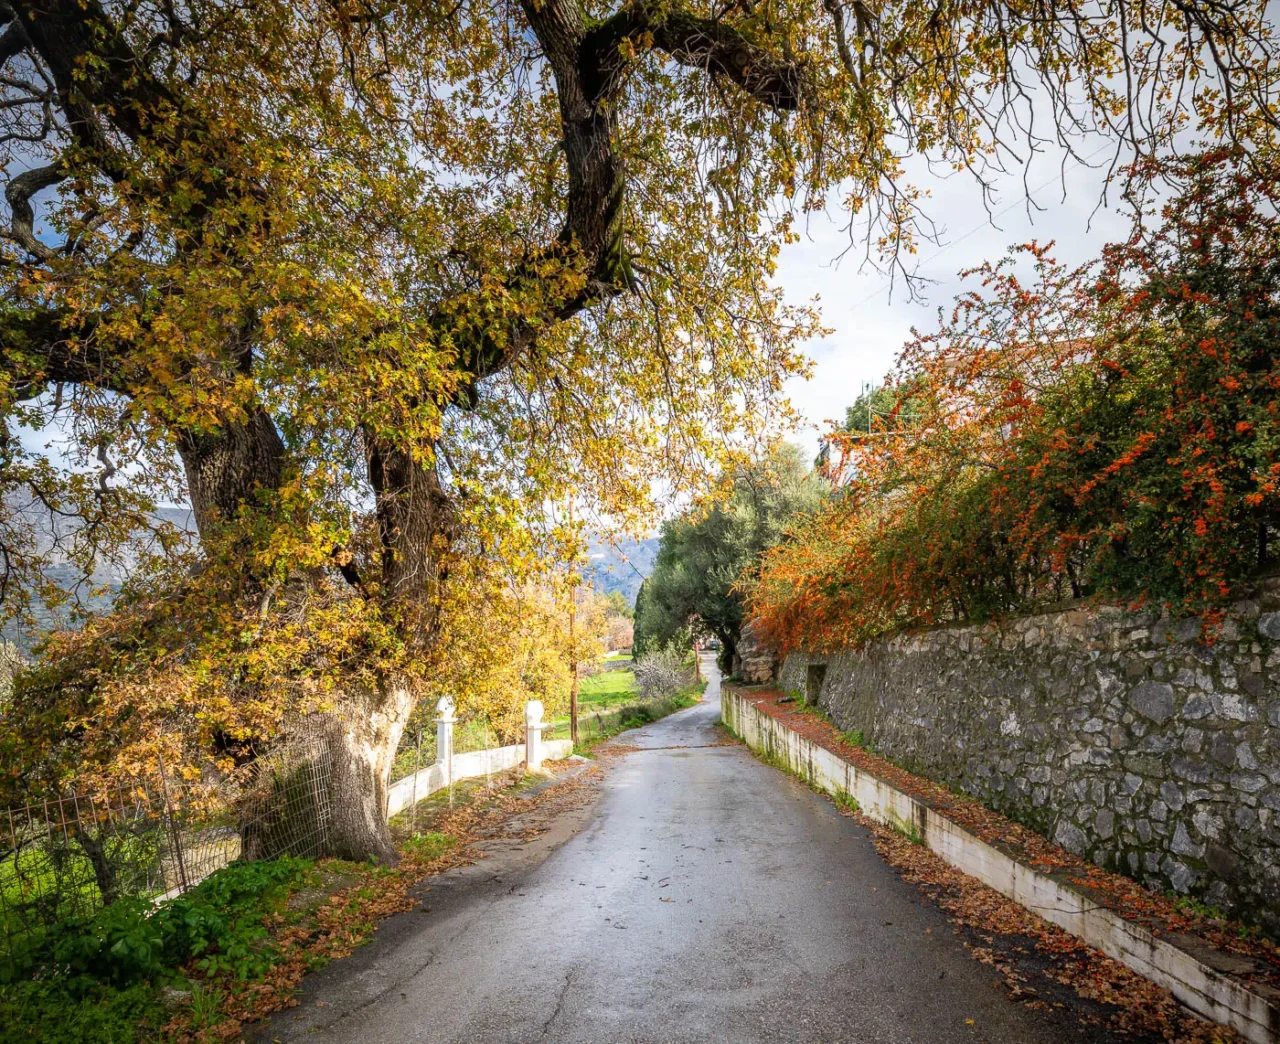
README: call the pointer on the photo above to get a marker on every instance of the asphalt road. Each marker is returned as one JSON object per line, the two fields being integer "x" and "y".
{"x": 705, "y": 897}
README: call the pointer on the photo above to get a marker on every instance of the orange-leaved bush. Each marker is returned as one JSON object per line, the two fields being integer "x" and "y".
{"x": 1106, "y": 431}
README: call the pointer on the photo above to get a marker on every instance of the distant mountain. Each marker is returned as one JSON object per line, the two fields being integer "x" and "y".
{"x": 620, "y": 565}
{"x": 95, "y": 593}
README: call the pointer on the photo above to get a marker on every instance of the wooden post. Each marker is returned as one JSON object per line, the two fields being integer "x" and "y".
{"x": 573, "y": 651}
{"x": 573, "y": 667}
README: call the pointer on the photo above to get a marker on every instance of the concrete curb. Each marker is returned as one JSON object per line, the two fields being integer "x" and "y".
{"x": 1193, "y": 972}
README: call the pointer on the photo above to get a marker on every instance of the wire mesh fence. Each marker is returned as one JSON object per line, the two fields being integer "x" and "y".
{"x": 69, "y": 856}
{"x": 417, "y": 748}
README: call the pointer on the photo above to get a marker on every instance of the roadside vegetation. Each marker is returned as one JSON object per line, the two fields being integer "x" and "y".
{"x": 121, "y": 973}
{"x": 236, "y": 946}
{"x": 393, "y": 297}
{"x": 600, "y": 727}
{"x": 1110, "y": 431}
{"x": 613, "y": 701}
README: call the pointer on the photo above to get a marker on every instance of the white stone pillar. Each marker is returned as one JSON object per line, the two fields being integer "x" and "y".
{"x": 444, "y": 736}
{"x": 533, "y": 735}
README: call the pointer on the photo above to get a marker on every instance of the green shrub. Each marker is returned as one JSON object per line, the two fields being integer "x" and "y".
{"x": 48, "y": 1013}
{"x": 218, "y": 923}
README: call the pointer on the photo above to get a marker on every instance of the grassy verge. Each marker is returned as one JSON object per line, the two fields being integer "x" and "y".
{"x": 232, "y": 949}
{"x": 607, "y": 687}
{"x": 597, "y": 726}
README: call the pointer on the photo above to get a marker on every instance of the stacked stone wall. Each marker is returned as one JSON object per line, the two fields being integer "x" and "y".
{"x": 1120, "y": 735}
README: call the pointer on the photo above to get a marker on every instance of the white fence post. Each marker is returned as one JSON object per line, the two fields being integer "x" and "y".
{"x": 533, "y": 735}
{"x": 444, "y": 736}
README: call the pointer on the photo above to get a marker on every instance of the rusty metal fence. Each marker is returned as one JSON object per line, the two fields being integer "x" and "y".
{"x": 70, "y": 855}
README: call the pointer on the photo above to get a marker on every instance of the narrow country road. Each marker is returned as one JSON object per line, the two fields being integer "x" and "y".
{"x": 706, "y": 897}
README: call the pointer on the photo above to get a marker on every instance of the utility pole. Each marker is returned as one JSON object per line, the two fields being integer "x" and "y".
{"x": 573, "y": 650}
{"x": 573, "y": 667}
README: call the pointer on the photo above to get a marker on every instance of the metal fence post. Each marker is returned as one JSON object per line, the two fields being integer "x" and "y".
{"x": 173, "y": 825}
{"x": 413, "y": 801}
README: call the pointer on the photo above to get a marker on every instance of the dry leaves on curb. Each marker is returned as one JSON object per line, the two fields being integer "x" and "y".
{"x": 1111, "y": 890}
{"x": 1034, "y": 957}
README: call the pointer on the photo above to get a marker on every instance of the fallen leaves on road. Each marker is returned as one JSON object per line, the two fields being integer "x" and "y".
{"x": 1116, "y": 892}
{"x": 1037, "y": 959}
{"x": 354, "y": 897}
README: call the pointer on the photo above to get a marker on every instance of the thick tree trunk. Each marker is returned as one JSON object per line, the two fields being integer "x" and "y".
{"x": 364, "y": 747}
{"x": 327, "y": 788}
{"x": 228, "y": 469}
{"x": 728, "y": 660}
{"x": 322, "y": 791}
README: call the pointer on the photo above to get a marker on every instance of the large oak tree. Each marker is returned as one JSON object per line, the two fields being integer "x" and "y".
{"x": 370, "y": 283}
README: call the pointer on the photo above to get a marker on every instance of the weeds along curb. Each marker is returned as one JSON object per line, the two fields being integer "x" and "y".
{"x": 1196, "y": 974}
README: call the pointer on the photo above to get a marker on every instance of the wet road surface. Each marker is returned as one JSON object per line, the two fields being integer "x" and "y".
{"x": 705, "y": 897}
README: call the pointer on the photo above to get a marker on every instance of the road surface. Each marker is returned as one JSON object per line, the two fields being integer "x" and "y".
{"x": 704, "y": 897}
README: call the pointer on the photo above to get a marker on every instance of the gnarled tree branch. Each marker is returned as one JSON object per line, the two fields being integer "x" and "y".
{"x": 19, "y": 192}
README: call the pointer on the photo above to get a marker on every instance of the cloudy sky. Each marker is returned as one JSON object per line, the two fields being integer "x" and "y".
{"x": 870, "y": 325}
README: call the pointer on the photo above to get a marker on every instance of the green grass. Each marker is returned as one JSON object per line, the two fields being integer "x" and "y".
{"x": 607, "y": 687}
{"x": 599, "y": 723}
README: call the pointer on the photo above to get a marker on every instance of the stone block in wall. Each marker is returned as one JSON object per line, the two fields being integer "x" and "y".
{"x": 755, "y": 662}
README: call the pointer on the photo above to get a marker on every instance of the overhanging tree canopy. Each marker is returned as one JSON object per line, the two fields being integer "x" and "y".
{"x": 368, "y": 284}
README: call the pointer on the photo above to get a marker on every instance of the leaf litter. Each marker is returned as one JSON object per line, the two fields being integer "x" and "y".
{"x": 345, "y": 902}
{"x": 1041, "y": 965}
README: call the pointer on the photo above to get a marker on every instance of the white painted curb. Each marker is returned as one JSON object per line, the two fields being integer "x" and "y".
{"x": 1253, "y": 1011}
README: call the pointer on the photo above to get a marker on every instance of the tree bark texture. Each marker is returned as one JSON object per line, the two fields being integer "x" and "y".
{"x": 228, "y": 467}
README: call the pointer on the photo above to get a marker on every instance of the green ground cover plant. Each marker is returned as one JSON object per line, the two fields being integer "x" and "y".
{"x": 99, "y": 977}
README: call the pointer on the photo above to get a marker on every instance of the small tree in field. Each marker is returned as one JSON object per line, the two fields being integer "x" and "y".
{"x": 661, "y": 672}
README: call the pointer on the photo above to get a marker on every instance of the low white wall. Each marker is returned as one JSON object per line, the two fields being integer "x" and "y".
{"x": 466, "y": 766}
{"x": 1202, "y": 989}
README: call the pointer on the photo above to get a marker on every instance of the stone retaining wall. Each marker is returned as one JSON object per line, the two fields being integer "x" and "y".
{"x": 1119, "y": 735}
